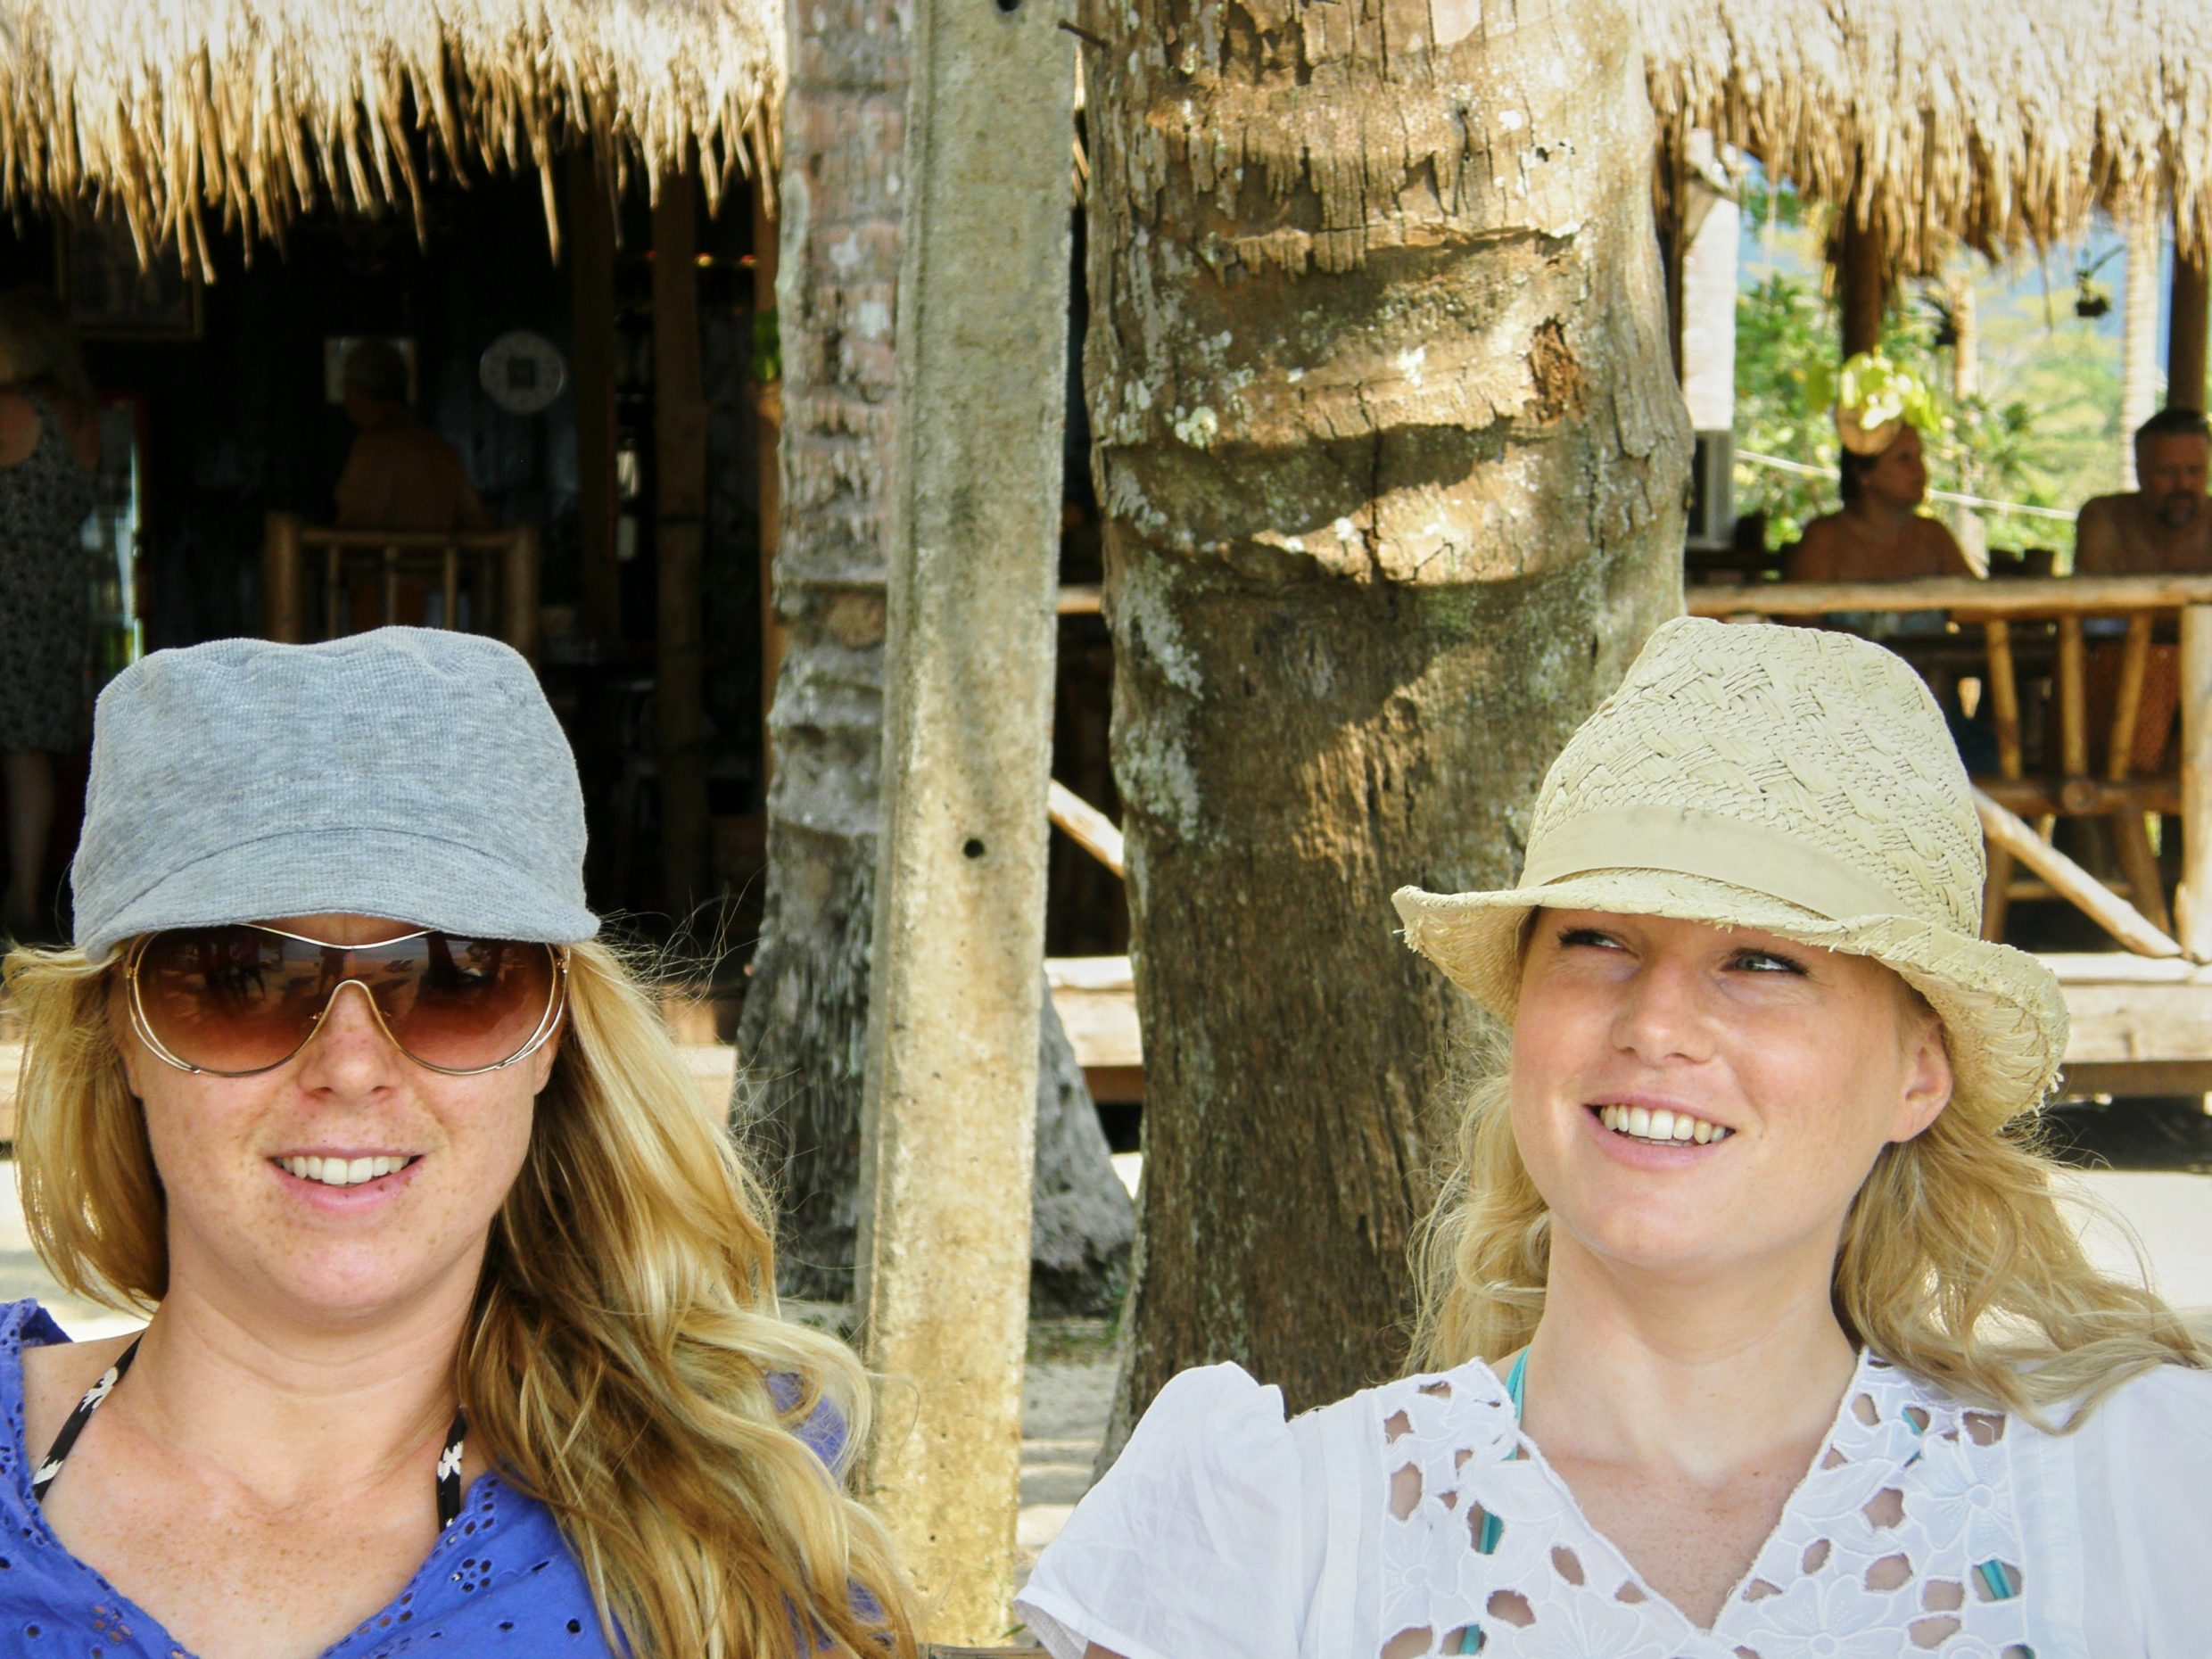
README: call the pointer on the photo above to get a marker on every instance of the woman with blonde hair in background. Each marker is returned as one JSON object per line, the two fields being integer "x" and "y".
{"x": 462, "y": 1330}
{"x": 49, "y": 446}
{"x": 1752, "y": 1327}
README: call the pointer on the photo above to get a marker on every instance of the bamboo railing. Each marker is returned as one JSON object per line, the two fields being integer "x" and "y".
{"x": 2069, "y": 780}
{"x": 483, "y": 563}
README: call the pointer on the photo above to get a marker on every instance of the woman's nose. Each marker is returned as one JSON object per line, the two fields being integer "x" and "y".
{"x": 350, "y": 1048}
{"x": 1663, "y": 1014}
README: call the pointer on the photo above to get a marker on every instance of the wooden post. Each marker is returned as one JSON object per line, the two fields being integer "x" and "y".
{"x": 2138, "y": 335}
{"x": 1861, "y": 279}
{"x": 947, "y": 1130}
{"x": 518, "y": 591}
{"x": 284, "y": 601}
{"x": 591, "y": 250}
{"x": 2193, "y": 904}
{"x": 679, "y": 442}
{"x": 768, "y": 409}
{"x": 2186, "y": 331}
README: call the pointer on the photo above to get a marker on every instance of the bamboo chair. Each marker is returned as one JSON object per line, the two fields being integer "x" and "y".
{"x": 497, "y": 570}
{"x": 2122, "y": 791}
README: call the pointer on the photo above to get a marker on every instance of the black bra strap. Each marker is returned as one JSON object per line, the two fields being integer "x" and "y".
{"x": 75, "y": 1426}
{"x": 449, "y": 1460}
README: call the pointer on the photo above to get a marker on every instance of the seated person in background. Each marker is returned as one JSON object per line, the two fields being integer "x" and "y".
{"x": 399, "y": 476}
{"x": 2164, "y": 525}
{"x": 1880, "y": 535}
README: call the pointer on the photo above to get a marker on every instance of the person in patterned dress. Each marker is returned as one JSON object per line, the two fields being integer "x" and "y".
{"x": 1752, "y": 1326}
{"x": 49, "y": 445}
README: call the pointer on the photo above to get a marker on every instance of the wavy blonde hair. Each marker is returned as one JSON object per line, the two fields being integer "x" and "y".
{"x": 1956, "y": 1264}
{"x": 624, "y": 1363}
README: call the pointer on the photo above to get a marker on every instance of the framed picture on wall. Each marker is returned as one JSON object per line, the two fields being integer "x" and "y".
{"x": 110, "y": 295}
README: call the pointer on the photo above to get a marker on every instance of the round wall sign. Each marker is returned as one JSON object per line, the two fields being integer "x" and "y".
{"x": 522, "y": 371}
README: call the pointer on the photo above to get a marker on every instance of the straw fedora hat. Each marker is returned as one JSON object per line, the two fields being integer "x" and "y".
{"x": 1795, "y": 781}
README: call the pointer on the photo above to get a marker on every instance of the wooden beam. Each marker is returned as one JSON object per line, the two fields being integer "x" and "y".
{"x": 1087, "y": 827}
{"x": 1862, "y": 280}
{"x": 284, "y": 580}
{"x": 2074, "y": 884}
{"x": 2192, "y": 901}
{"x": 679, "y": 536}
{"x": 589, "y": 246}
{"x": 2192, "y": 300}
{"x": 2053, "y": 596}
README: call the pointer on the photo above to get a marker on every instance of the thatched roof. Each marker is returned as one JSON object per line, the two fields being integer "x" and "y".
{"x": 185, "y": 113}
{"x": 1992, "y": 122}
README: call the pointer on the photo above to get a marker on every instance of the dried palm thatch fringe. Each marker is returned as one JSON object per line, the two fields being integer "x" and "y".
{"x": 1998, "y": 123}
{"x": 245, "y": 113}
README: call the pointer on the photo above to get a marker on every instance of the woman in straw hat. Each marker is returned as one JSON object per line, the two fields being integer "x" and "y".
{"x": 1752, "y": 1327}
{"x": 463, "y": 1335}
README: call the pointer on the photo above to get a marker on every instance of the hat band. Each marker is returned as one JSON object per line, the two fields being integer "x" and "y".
{"x": 1688, "y": 842}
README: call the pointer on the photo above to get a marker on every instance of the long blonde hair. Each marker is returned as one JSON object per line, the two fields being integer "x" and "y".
{"x": 1956, "y": 1264}
{"x": 625, "y": 1364}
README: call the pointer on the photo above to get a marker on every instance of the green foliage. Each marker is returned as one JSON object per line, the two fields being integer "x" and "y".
{"x": 2045, "y": 432}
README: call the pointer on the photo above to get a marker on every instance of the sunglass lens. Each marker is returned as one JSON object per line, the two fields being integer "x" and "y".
{"x": 463, "y": 1004}
{"x": 228, "y": 998}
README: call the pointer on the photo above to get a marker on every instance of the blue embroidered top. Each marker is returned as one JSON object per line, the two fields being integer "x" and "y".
{"x": 500, "y": 1580}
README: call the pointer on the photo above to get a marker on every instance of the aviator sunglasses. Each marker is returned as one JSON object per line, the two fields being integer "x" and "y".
{"x": 236, "y": 1000}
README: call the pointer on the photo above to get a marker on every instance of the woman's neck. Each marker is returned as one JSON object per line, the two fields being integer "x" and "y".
{"x": 1703, "y": 1380}
{"x": 1887, "y": 519}
{"x": 289, "y": 1409}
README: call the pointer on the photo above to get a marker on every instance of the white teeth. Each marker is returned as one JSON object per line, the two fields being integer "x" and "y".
{"x": 1663, "y": 1125}
{"x": 344, "y": 1171}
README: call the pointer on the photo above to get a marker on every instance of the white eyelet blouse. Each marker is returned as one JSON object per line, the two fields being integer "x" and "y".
{"x": 1923, "y": 1527}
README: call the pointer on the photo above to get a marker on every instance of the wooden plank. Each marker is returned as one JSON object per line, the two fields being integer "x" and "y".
{"x": 2136, "y": 1076}
{"x": 2138, "y": 1022}
{"x": 2004, "y": 712}
{"x": 2114, "y": 914}
{"x": 1087, "y": 827}
{"x": 2072, "y": 693}
{"x": 590, "y": 248}
{"x": 2194, "y": 900}
{"x": 1081, "y": 599}
{"x": 1089, "y": 973}
{"x": 518, "y": 590}
{"x": 2012, "y": 597}
{"x": 679, "y": 443}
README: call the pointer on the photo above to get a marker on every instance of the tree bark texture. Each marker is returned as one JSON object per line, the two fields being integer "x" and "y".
{"x": 801, "y": 1038}
{"x": 1394, "y": 472}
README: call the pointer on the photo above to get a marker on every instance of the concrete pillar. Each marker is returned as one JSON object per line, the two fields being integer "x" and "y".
{"x": 948, "y": 1126}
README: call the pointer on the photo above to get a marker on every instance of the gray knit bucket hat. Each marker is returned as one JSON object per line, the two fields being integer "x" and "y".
{"x": 408, "y": 773}
{"x": 1795, "y": 781}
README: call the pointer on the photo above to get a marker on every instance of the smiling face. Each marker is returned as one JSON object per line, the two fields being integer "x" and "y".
{"x": 344, "y": 1182}
{"x": 1791, "y": 1067}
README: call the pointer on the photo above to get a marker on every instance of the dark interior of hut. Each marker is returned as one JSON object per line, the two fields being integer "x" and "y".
{"x": 221, "y": 409}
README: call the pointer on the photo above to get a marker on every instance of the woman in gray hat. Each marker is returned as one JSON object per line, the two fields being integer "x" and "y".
{"x": 463, "y": 1327}
{"x": 1751, "y": 1325}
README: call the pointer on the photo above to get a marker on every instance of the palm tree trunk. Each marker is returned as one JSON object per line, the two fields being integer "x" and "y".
{"x": 1394, "y": 471}
{"x": 802, "y": 1039}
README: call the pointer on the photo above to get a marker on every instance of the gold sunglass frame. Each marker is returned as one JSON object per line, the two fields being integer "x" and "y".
{"x": 548, "y": 1022}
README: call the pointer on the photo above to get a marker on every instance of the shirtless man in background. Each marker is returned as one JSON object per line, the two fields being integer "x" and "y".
{"x": 2163, "y": 526}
